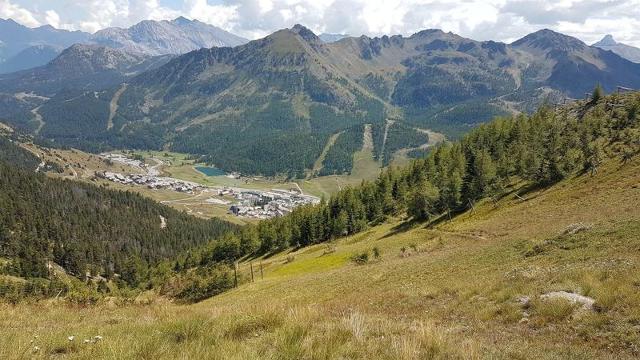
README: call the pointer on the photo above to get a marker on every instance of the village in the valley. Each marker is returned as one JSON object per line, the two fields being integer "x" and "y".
{"x": 248, "y": 203}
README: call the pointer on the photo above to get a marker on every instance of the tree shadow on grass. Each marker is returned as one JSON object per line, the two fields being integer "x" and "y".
{"x": 536, "y": 189}
{"x": 402, "y": 227}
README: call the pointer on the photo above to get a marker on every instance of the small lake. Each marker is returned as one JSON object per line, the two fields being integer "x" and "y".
{"x": 210, "y": 171}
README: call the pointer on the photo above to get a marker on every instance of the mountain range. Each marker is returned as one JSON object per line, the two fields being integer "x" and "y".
{"x": 80, "y": 68}
{"x": 177, "y": 36}
{"x": 22, "y": 47}
{"x": 270, "y": 106}
{"x": 626, "y": 51}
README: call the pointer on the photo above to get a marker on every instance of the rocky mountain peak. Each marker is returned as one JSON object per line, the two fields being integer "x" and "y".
{"x": 626, "y": 51}
{"x": 607, "y": 40}
{"x": 84, "y": 56}
{"x": 546, "y": 39}
{"x": 181, "y": 20}
{"x": 305, "y": 33}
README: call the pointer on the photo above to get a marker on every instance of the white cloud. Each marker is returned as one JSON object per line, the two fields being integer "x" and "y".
{"x": 17, "y": 13}
{"x": 223, "y": 16}
{"x": 503, "y": 20}
{"x": 52, "y": 18}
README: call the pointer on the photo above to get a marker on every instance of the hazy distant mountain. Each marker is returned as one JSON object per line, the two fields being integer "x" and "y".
{"x": 22, "y": 47}
{"x": 329, "y": 38}
{"x": 80, "y": 68}
{"x": 626, "y": 51}
{"x": 177, "y": 36}
{"x": 16, "y": 38}
{"x": 30, "y": 57}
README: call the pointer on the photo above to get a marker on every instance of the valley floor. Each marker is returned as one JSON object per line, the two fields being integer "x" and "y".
{"x": 466, "y": 288}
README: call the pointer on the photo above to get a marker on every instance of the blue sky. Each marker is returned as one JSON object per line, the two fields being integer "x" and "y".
{"x": 503, "y": 20}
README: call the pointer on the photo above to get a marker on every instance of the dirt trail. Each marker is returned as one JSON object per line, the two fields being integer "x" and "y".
{"x": 299, "y": 188}
{"x": 113, "y": 106}
{"x": 39, "y": 118}
{"x": 193, "y": 197}
{"x": 367, "y": 141}
{"x": 384, "y": 138}
{"x": 153, "y": 171}
{"x": 433, "y": 138}
{"x": 317, "y": 166}
{"x": 163, "y": 222}
{"x": 73, "y": 171}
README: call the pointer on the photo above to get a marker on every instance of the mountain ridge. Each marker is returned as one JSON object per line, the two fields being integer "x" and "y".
{"x": 80, "y": 66}
{"x": 628, "y": 52}
{"x": 16, "y": 38}
{"x": 154, "y": 38}
{"x": 177, "y": 36}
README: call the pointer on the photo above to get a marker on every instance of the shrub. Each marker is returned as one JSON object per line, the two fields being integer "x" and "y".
{"x": 82, "y": 295}
{"x": 597, "y": 94}
{"x": 329, "y": 249}
{"x": 360, "y": 258}
{"x": 376, "y": 253}
{"x": 403, "y": 251}
{"x": 200, "y": 284}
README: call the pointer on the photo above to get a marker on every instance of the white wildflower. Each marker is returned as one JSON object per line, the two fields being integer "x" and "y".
{"x": 71, "y": 338}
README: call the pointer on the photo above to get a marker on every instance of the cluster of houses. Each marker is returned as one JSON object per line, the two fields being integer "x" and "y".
{"x": 152, "y": 182}
{"x": 268, "y": 204}
{"x": 123, "y": 159}
{"x": 244, "y": 202}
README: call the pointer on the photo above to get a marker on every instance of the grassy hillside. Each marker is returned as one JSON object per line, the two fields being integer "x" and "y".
{"x": 453, "y": 292}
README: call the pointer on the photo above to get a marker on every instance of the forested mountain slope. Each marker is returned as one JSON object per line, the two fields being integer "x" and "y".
{"x": 271, "y": 105}
{"x": 73, "y": 78}
{"x": 13, "y": 155}
{"x": 85, "y": 228}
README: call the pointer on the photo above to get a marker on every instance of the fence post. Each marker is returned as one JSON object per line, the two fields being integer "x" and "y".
{"x": 235, "y": 274}
{"x": 261, "y": 273}
{"x": 251, "y": 265}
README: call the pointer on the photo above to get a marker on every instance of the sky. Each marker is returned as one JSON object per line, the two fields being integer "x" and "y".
{"x": 500, "y": 20}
